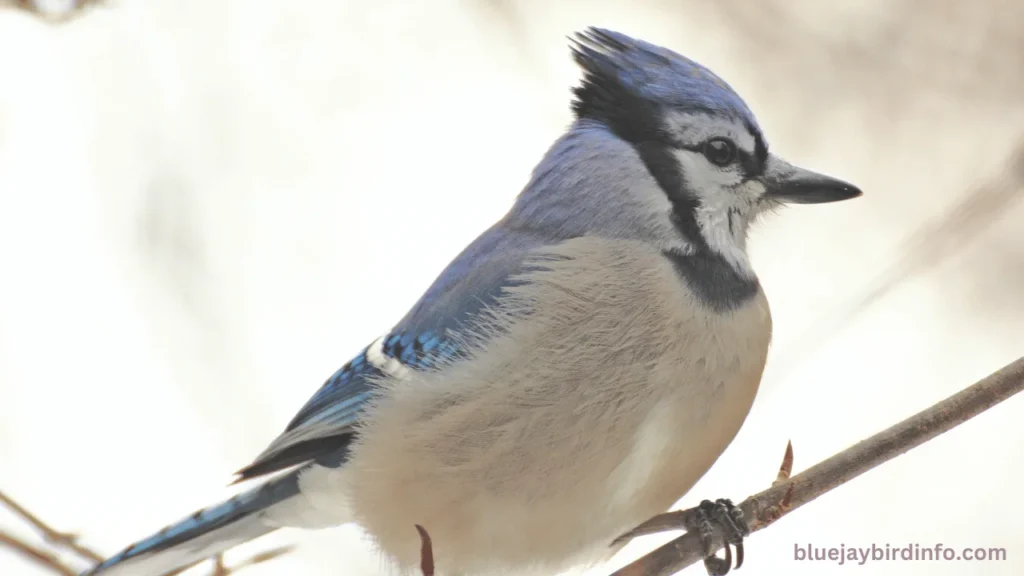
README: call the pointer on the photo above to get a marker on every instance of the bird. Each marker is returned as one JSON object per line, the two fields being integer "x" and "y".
{"x": 574, "y": 371}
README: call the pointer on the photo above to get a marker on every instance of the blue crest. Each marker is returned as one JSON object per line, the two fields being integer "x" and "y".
{"x": 624, "y": 78}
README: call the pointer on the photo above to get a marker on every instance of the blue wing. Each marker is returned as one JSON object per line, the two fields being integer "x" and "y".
{"x": 325, "y": 427}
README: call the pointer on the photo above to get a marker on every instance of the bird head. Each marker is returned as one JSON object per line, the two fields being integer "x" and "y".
{"x": 694, "y": 133}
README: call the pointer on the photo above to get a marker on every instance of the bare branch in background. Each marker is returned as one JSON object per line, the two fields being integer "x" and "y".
{"x": 55, "y": 11}
{"x": 36, "y": 554}
{"x": 219, "y": 568}
{"x": 765, "y": 508}
{"x": 59, "y": 539}
{"x": 933, "y": 243}
{"x": 946, "y": 236}
{"x": 62, "y": 544}
{"x": 892, "y": 64}
{"x": 260, "y": 558}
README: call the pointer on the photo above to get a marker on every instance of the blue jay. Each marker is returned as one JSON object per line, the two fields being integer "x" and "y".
{"x": 572, "y": 373}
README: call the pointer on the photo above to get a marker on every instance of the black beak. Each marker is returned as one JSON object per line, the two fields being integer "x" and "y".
{"x": 800, "y": 186}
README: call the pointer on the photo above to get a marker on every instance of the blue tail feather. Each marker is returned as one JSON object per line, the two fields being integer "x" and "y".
{"x": 203, "y": 534}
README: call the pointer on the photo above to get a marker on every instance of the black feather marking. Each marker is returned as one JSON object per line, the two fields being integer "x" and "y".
{"x": 713, "y": 280}
{"x": 330, "y": 451}
{"x": 603, "y": 97}
{"x": 611, "y": 95}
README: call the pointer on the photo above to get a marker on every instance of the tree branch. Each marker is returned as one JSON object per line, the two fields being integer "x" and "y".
{"x": 766, "y": 507}
{"x": 49, "y": 534}
{"x": 35, "y": 554}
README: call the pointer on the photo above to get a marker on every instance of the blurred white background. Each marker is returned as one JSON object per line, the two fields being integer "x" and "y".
{"x": 207, "y": 207}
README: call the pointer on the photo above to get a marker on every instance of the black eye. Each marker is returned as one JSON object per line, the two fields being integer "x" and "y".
{"x": 720, "y": 151}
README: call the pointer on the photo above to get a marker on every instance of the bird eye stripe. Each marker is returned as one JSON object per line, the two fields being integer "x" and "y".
{"x": 752, "y": 164}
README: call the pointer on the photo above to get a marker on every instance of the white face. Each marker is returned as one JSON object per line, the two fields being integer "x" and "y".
{"x": 728, "y": 200}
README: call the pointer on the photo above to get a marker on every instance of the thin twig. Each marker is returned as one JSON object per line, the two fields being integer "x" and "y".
{"x": 49, "y": 534}
{"x": 219, "y": 569}
{"x": 783, "y": 497}
{"x": 786, "y": 469}
{"x": 37, "y": 555}
{"x": 426, "y": 552}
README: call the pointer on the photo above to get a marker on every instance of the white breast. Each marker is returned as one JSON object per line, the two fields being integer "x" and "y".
{"x": 600, "y": 409}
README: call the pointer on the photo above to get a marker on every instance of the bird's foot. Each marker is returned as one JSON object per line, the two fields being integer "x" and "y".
{"x": 702, "y": 521}
{"x": 730, "y": 519}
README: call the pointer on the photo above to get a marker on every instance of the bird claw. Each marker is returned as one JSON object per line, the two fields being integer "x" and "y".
{"x": 730, "y": 518}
